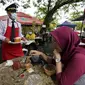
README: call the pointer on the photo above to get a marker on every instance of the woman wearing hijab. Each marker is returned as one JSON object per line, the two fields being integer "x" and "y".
{"x": 66, "y": 52}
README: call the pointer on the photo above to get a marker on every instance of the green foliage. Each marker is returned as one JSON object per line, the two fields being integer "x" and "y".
{"x": 79, "y": 25}
{"x": 24, "y": 3}
{"x": 53, "y": 25}
{"x": 49, "y": 10}
{"x": 55, "y": 9}
{"x": 75, "y": 14}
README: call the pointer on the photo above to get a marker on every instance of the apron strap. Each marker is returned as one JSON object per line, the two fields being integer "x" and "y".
{"x": 7, "y": 22}
{"x": 17, "y": 25}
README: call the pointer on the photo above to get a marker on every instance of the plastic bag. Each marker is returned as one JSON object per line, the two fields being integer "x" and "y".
{"x": 33, "y": 79}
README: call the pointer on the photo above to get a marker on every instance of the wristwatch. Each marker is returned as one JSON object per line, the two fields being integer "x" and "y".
{"x": 57, "y": 60}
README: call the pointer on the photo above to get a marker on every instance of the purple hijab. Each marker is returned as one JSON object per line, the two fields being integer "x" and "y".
{"x": 68, "y": 41}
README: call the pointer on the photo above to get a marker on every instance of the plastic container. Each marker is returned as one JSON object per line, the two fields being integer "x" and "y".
{"x": 16, "y": 65}
{"x": 49, "y": 69}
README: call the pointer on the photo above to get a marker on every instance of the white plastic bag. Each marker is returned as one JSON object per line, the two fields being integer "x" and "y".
{"x": 33, "y": 79}
{"x": 9, "y": 63}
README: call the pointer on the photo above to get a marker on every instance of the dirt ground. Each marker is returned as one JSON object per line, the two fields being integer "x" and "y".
{"x": 8, "y": 76}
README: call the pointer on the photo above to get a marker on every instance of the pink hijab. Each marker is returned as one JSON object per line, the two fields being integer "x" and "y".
{"x": 68, "y": 41}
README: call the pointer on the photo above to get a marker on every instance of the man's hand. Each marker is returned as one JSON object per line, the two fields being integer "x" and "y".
{"x": 7, "y": 40}
{"x": 24, "y": 39}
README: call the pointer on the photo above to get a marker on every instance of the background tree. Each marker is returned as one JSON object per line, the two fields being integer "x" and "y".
{"x": 50, "y": 10}
{"x": 74, "y": 15}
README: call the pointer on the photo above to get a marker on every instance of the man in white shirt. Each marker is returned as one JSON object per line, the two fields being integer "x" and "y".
{"x": 10, "y": 27}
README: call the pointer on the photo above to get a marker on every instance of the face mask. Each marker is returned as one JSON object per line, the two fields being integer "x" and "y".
{"x": 13, "y": 16}
{"x": 30, "y": 33}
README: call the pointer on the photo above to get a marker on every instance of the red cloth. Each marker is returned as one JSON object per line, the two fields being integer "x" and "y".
{"x": 10, "y": 51}
{"x": 72, "y": 56}
{"x": 83, "y": 40}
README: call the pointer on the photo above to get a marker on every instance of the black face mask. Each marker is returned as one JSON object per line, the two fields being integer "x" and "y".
{"x": 37, "y": 60}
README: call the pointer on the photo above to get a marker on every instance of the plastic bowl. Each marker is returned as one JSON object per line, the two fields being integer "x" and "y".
{"x": 49, "y": 69}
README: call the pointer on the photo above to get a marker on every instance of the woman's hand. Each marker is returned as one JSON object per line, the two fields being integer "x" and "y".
{"x": 35, "y": 52}
{"x": 38, "y": 53}
{"x": 56, "y": 54}
{"x": 58, "y": 62}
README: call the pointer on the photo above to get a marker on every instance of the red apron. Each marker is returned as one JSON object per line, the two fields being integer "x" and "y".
{"x": 10, "y": 51}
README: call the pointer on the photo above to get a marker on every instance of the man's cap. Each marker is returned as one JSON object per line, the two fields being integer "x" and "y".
{"x": 12, "y": 7}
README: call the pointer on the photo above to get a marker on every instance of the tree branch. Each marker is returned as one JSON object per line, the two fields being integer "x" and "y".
{"x": 58, "y": 4}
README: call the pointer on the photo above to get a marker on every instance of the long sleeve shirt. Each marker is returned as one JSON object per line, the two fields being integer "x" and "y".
{"x": 3, "y": 27}
{"x": 73, "y": 71}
